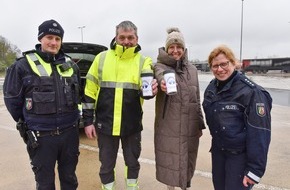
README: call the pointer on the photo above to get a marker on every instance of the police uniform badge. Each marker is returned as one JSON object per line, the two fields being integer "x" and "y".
{"x": 260, "y": 109}
{"x": 28, "y": 103}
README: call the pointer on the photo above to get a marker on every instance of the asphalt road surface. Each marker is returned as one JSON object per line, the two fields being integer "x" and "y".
{"x": 16, "y": 173}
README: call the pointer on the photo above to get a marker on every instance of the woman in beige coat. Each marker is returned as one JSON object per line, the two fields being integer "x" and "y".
{"x": 179, "y": 121}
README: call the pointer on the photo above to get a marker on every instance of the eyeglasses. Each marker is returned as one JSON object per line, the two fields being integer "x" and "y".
{"x": 223, "y": 65}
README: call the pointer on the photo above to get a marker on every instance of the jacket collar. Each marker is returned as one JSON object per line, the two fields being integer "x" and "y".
{"x": 226, "y": 85}
{"x": 122, "y": 51}
{"x": 48, "y": 57}
{"x": 168, "y": 60}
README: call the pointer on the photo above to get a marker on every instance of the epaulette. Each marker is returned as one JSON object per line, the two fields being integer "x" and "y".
{"x": 67, "y": 55}
{"x": 19, "y": 58}
{"x": 28, "y": 52}
{"x": 247, "y": 81}
{"x": 24, "y": 54}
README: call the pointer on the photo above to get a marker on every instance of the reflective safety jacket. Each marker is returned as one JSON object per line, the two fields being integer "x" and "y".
{"x": 43, "y": 91}
{"x": 239, "y": 119}
{"x": 112, "y": 89}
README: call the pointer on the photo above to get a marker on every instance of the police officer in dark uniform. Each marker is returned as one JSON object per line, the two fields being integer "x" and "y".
{"x": 41, "y": 92}
{"x": 238, "y": 115}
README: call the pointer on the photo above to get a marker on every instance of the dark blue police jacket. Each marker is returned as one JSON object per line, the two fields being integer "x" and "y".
{"x": 239, "y": 119}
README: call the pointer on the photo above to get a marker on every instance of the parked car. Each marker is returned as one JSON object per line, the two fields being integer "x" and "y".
{"x": 83, "y": 54}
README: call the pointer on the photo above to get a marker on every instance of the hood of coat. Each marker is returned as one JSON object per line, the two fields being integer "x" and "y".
{"x": 168, "y": 60}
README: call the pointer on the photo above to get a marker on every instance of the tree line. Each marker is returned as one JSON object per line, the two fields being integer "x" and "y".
{"x": 8, "y": 53}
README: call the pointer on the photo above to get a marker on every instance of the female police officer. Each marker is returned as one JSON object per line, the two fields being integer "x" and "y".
{"x": 238, "y": 115}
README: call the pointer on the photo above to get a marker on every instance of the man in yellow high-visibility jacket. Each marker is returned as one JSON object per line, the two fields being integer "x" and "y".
{"x": 113, "y": 95}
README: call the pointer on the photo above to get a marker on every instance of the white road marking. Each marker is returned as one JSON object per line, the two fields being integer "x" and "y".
{"x": 197, "y": 172}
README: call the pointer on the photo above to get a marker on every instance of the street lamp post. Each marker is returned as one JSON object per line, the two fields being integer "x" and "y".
{"x": 241, "y": 40}
{"x": 189, "y": 52}
{"x": 82, "y": 27}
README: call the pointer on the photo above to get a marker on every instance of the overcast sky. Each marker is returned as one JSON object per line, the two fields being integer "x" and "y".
{"x": 204, "y": 23}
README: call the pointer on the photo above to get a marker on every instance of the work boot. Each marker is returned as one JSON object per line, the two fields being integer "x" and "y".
{"x": 170, "y": 187}
{"x": 108, "y": 186}
{"x": 132, "y": 184}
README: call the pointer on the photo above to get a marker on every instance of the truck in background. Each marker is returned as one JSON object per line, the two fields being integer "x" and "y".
{"x": 263, "y": 65}
{"x": 201, "y": 65}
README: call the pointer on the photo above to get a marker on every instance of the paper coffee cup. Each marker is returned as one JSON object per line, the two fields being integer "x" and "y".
{"x": 169, "y": 77}
{"x": 147, "y": 79}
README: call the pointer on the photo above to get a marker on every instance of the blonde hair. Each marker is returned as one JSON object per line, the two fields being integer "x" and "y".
{"x": 222, "y": 49}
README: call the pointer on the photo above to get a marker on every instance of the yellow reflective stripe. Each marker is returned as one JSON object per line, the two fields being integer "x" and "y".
{"x": 141, "y": 70}
{"x": 124, "y": 85}
{"x": 141, "y": 63}
{"x": 33, "y": 66}
{"x": 66, "y": 73}
{"x": 101, "y": 65}
{"x": 46, "y": 66}
{"x": 126, "y": 172}
{"x": 41, "y": 68}
{"x": 91, "y": 90}
{"x": 132, "y": 184}
{"x": 109, "y": 186}
{"x": 147, "y": 71}
{"x": 118, "y": 104}
{"x": 92, "y": 78}
{"x": 88, "y": 106}
{"x": 33, "y": 57}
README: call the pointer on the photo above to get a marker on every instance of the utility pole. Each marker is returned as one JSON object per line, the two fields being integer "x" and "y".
{"x": 82, "y": 37}
{"x": 189, "y": 53}
{"x": 241, "y": 40}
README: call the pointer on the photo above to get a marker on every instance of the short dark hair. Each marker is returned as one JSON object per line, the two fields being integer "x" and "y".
{"x": 126, "y": 25}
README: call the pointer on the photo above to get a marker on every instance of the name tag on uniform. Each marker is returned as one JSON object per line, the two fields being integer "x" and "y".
{"x": 231, "y": 107}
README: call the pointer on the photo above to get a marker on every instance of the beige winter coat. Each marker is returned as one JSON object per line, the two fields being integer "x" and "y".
{"x": 178, "y": 123}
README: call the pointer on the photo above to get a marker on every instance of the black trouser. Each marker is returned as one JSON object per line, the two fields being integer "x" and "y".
{"x": 109, "y": 145}
{"x": 228, "y": 169}
{"x": 63, "y": 149}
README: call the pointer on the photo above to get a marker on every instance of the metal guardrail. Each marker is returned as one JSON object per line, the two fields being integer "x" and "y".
{"x": 1, "y": 83}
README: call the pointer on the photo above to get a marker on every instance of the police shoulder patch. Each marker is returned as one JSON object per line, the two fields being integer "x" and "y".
{"x": 28, "y": 103}
{"x": 260, "y": 109}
